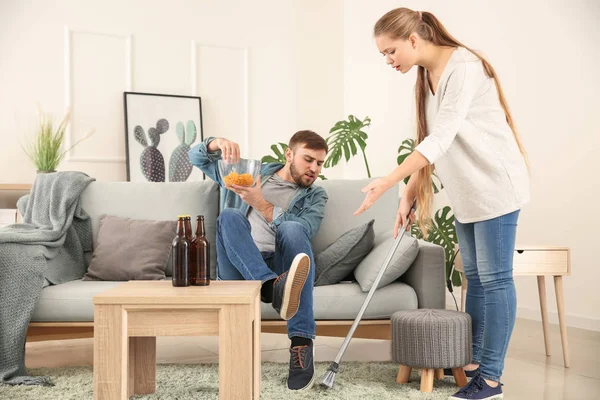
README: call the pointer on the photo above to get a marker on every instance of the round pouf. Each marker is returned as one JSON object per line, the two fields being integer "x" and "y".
{"x": 431, "y": 340}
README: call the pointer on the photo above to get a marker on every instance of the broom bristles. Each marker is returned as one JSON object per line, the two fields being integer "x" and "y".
{"x": 329, "y": 376}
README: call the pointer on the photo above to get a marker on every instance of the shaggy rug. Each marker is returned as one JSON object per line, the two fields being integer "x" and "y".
{"x": 200, "y": 381}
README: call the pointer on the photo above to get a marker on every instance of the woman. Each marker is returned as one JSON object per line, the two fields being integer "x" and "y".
{"x": 465, "y": 130}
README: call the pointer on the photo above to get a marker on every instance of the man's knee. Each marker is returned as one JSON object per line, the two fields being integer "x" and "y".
{"x": 230, "y": 214}
{"x": 291, "y": 230}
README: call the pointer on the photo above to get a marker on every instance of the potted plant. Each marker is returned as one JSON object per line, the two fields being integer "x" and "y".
{"x": 45, "y": 149}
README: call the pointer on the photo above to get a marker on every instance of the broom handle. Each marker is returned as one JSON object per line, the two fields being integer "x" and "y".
{"x": 386, "y": 263}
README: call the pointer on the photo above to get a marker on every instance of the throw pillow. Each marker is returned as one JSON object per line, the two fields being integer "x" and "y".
{"x": 130, "y": 249}
{"x": 403, "y": 257}
{"x": 342, "y": 256}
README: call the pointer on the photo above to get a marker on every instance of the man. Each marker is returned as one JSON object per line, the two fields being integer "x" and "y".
{"x": 264, "y": 233}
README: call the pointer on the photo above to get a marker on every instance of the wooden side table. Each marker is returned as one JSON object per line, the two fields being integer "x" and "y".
{"x": 9, "y": 194}
{"x": 539, "y": 261}
{"x": 128, "y": 317}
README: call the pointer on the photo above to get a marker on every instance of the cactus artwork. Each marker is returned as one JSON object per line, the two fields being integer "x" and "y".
{"x": 152, "y": 162}
{"x": 180, "y": 166}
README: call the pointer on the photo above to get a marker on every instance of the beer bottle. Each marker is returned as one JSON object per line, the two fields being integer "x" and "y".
{"x": 189, "y": 235}
{"x": 180, "y": 251}
{"x": 201, "y": 248}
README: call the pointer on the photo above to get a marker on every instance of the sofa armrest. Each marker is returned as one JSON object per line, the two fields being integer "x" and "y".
{"x": 427, "y": 276}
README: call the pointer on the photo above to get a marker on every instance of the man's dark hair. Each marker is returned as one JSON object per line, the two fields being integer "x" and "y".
{"x": 308, "y": 139}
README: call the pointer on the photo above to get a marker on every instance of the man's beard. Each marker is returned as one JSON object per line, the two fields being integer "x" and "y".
{"x": 297, "y": 176}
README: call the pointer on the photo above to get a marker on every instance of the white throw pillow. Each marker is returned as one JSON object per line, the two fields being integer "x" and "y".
{"x": 366, "y": 272}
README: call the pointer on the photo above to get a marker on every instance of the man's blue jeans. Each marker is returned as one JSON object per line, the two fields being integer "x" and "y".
{"x": 487, "y": 249}
{"x": 238, "y": 258}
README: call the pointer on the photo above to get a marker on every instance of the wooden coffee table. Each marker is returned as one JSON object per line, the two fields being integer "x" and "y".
{"x": 128, "y": 317}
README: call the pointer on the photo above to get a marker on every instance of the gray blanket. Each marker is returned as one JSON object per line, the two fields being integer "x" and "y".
{"x": 49, "y": 247}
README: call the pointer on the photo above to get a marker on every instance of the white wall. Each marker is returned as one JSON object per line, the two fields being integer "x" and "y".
{"x": 294, "y": 73}
{"x": 547, "y": 56}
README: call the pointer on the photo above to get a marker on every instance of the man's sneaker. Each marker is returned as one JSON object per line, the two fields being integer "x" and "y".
{"x": 478, "y": 389}
{"x": 469, "y": 374}
{"x": 302, "y": 367}
{"x": 288, "y": 287}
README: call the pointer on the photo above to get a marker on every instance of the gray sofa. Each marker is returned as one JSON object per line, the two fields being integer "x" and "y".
{"x": 422, "y": 286}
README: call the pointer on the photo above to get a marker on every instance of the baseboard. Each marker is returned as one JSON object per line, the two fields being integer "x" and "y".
{"x": 574, "y": 321}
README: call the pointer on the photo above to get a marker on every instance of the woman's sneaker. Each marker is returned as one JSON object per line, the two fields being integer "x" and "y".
{"x": 287, "y": 288}
{"x": 478, "y": 389}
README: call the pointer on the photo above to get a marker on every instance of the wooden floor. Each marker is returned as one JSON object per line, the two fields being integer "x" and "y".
{"x": 528, "y": 374}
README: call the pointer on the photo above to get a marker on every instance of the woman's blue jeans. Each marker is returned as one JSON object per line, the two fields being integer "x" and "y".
{"x": 487, "y": 249}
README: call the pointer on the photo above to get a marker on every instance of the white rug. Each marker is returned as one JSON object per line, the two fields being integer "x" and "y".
{"x": 360, "y": 381}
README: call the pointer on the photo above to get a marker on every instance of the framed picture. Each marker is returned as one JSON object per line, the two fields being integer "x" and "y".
{"x": 160, "y": 129}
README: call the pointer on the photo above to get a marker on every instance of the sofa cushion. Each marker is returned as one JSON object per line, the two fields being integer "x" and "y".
{"x": 72, "y": 301}
{"x": 345, "y": 197}
{"x": 129, "y": 249}
{"x": 162, "y": 201}
{"x": 341, "y": 257}
{"x": 344, "y": 300}
{"x": 402, "y": 259}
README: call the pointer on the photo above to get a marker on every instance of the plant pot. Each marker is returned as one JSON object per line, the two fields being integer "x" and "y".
{"x": 45, "y": 172}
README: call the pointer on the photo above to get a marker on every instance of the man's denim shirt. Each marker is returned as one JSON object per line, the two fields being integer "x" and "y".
{"x": 306, "y": 207}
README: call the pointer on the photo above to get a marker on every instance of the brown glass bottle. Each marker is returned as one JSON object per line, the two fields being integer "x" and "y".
{"x": 189, "y": 235}
{"x": 180, "y": 251}
{"x": 201, "y": 250}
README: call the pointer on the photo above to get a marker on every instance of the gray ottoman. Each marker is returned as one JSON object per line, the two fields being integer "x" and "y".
{"x": 431, "y": 340}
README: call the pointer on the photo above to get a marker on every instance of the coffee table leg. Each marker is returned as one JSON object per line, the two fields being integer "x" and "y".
{"x": 256, "y": 354}
{"x": 142, "y": 365}
{"x": 235, "y": 352}
{"x": 110, "y": 373}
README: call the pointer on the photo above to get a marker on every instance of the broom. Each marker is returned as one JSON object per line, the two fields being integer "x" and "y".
{"x": 329, "y": 376}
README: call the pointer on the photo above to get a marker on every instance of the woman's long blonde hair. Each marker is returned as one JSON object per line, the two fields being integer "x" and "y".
{"x": 399, "y": 24}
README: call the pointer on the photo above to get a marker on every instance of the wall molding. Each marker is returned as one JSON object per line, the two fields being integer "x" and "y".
{"x": 194, "y": 84}
{"x": 68, "y": 35}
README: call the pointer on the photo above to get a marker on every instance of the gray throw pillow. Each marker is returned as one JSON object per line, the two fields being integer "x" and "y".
{"x": 369, "y": 267}
{"x": 342, "y": 256}
{"x": 130, "y": 249}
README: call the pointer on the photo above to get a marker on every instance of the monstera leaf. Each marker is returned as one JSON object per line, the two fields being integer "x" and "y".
{"x": 345, "y": 138}
{"x": 405, "y": 150}
{"x": 443, "y": 233}
{"x": 279, "y": 154}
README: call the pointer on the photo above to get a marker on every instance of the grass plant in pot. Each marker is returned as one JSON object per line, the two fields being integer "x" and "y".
{"x": 46, "y": 148}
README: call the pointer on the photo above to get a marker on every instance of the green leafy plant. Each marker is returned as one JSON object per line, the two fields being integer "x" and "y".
{"x": 345, "y": 138}
{"x": 45, "y": 149}
{"x": 279, "y": 154}
{"x": 443, "y": 233}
